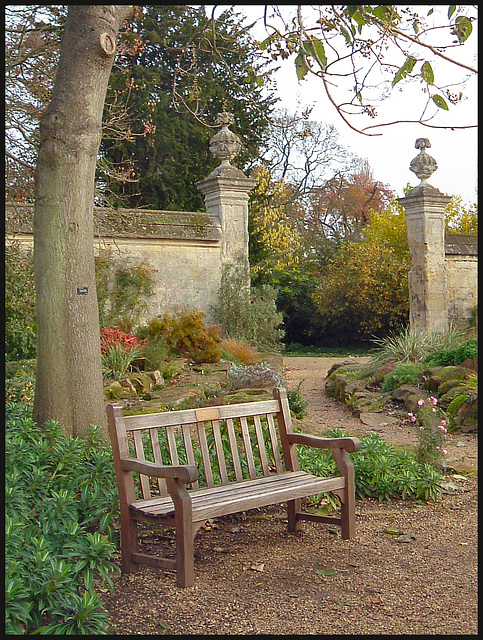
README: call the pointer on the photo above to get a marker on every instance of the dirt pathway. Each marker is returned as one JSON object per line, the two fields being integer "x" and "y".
{"x": 324, "y": 413}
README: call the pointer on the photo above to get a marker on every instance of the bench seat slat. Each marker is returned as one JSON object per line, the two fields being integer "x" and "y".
{"x": 243, "y": 496}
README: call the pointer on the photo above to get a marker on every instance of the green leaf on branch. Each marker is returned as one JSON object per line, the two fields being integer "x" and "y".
{"x": 451, "y": 10}
{"x": 268, "y": 41}
{"x": 427, "y": 73}
{"x": 346, "y": 35}
{"x": 463, "y": 28}
{"x": 301, "y": 65}
{"x": 440, "y": 102}
{"x": 407, "y": 67}
{"x": 315, "y": 48}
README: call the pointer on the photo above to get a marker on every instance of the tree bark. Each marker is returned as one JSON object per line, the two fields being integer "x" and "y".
{"x": 68, "y": 385}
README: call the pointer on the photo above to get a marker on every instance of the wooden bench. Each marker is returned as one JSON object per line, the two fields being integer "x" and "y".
{"x": 199, "y": 464}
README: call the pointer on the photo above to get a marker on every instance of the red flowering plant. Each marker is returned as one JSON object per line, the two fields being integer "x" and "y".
{"x": 110, "y": 336}
{"x": 119, "y": 351}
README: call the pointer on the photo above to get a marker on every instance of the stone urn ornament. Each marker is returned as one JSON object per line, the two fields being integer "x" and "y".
{"x": 225, "y": 144}
{"x": 423, "y": 165}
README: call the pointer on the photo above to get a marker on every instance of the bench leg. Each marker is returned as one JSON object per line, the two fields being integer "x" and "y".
{"x": 183, "y": 518}
{"x": 294, "y": 507}
{"x": 348, "y": 504}
{"x": 129, "y": 542}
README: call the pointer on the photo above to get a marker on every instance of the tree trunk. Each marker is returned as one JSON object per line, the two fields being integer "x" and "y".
{"x": 69, "y": 374}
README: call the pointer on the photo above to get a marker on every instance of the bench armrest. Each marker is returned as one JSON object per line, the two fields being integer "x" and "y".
{"x": 186, "y": 473}
{"x": 349, "y": 444}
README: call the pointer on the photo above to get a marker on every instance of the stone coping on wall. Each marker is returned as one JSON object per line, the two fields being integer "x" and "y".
{"x": 461, "y": 244}
{"x": 130, "y": 223}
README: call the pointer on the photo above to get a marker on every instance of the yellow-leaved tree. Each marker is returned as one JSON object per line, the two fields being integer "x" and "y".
{"x": 275, "y": 242}
{"x": 460, "y": 217}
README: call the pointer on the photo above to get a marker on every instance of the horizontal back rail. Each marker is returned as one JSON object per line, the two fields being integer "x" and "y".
{"x": 192, "y": 416}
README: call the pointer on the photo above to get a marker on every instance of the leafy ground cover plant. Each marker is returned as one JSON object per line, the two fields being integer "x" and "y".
{"x": 381, "y": 471}
{"x": 403, "y": 373}
{"x": 448, "y": 357}
{"x": 60, "y": 499}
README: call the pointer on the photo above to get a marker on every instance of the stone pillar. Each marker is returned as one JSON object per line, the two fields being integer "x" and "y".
{"x": 226, "y": 192}
{"x": 425, "y": 217}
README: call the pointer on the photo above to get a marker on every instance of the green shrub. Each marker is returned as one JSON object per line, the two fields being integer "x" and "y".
{"x": 246, "y": 314}
{"x": 298, "y": 406}
{"x": 380, "y": 470}
{"x": 154, "y": 353}
{"x": 20, "y": 338}
{"x": 448, "y": 357}
{"x": 185, "y": 334}
{"x": 60, "y": 498}
{"x": 404, "y": 373}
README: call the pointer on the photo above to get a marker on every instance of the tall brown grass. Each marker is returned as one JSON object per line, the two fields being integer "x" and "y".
{"x": 242, "y": 352}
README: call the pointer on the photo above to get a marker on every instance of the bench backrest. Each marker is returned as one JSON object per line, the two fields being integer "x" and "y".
{"x": 228, "y": 443}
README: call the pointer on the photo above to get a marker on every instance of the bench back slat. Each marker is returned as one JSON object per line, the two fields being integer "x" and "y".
{"x": 248, "y": 448}
{"x": 205, "y": 454}
{"x": 188, "y": 446}
{"x": 173, "y": 450}
{"x": 138, "y": 443}
{"x": 261, "y": 446}
{"x": 158, "y": 459}
{"x": 219, "y": 452}
{"x": 274, "y": 442}
{"x": 234, "y": 449}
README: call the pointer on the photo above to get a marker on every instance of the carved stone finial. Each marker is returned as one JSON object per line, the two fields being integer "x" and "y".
{"x": 225, "y": 144}
{"x": 423, "y": 165}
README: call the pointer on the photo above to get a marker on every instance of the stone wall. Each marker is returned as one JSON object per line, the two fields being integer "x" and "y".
{"x": 184, "y": 250}
{"x": 461, "y": 262}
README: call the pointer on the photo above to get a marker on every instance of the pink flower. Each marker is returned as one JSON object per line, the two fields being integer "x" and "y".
{"x": 444, "y": 451}
{"x": 433, "y": 400}
{"x": 443, "y": 422}
{"x": 433, "y": 410}
{"x": 420, "y": 403}
{"x": 421, "y": 428}
{"x": 412, "y": 417}
{"x": 437, "y": 448}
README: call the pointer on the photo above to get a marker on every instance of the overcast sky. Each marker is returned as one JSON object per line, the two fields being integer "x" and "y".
{"x": 390, "y": 154}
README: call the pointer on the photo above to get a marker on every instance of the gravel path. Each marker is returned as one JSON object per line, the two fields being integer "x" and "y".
{"x": 253, "y": 577}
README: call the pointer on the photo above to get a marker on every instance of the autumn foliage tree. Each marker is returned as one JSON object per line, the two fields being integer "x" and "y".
{"x": 363, "y": 290}
{"x": 341, "y": 208}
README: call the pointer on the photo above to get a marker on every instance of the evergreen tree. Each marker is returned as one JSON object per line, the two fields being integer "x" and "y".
{"x": 182, "y": 71}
